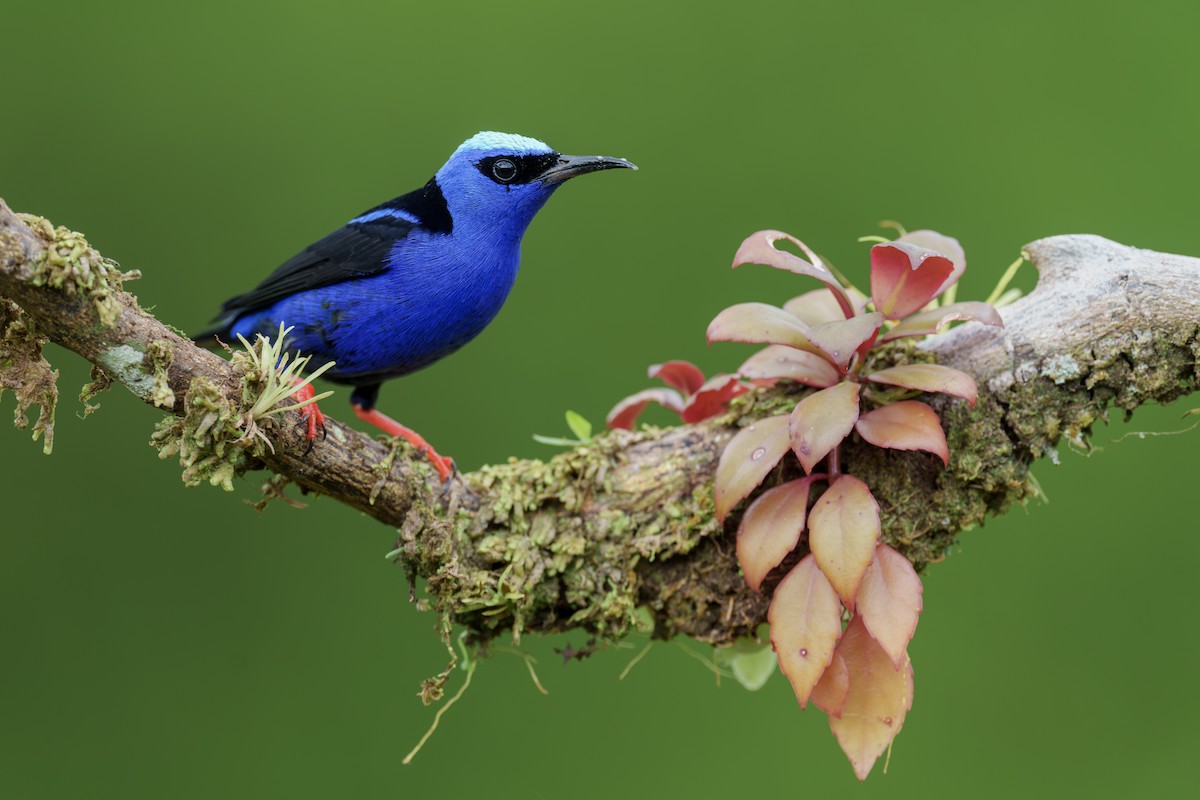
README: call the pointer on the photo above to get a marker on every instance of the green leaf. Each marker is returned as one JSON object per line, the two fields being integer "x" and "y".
{"x": 753, "y": 669}
{"x": 751, "y": 661}
{"x": 579, "y": 426}
{"x": 556, "y": 441}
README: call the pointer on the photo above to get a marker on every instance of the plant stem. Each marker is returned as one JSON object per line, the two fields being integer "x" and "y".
{"x": 834, "y": 463}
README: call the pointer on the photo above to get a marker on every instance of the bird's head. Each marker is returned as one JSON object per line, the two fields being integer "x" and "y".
{"x": 504, "y": 178}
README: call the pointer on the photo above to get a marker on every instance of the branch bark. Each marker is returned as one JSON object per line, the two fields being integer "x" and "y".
{"x": 621, "y": 533}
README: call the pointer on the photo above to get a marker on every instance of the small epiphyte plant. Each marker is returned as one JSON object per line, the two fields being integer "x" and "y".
{"x": 859, "y": 673}
{"x": 216, "y": 438}
{"x": 691, "y": 396}
{"x": 578, "y": 425}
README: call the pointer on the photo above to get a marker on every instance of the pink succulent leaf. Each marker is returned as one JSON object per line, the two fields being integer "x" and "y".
{"x": 905, "y": 277}
{"x": 770, "y": 529}
{"x": 780, "y": 361}
{"x": 945, "y": 245}
{"x": 759, "y": 322}
{"x": 815, "y": 307}
{"x": 759, "y": 248}
{"x": 889, "y": 602}
{"x": 806, "y": 623}
{"x": 712, "y": 398}
{"x": 843, "y": 529}
{"x": 747, "y": 459}
{"x": 841, "y": 339}
{"x": 829, "y": 694}
{"x": 935, "y": 320}
{"x": 683, "y": 376}
{"x": 878, "y": 697}
{"x": 625, "y": 413}
{"x": 906, "y": 425}
{"x": 929, "y": 378}
{"x": 820, "y": 421}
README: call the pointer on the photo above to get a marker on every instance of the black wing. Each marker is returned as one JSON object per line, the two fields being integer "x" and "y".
{"x": 356, "y": 250}
{"x": 353, "y": 251}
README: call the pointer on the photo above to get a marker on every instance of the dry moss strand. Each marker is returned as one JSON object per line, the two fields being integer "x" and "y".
{"x": 25, "y": 372}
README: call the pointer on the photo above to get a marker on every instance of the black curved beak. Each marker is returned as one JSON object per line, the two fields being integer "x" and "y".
{"x": 570, "y": 166}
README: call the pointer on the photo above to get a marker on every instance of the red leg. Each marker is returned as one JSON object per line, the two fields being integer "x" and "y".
{"x": 444, "y": 465}
{"x": 312, "y": 415}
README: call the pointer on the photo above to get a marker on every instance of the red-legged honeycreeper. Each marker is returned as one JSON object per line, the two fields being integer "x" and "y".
{"x": 413, "y": 279}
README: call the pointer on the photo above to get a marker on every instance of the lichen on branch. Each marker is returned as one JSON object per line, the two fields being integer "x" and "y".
{"x": 621, "y": 533}
{"x": 72, "y": 266}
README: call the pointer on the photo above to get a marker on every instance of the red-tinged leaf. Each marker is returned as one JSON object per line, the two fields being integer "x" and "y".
{"x": 843, "y": 529}
{"x": 780, "y": 361}
{"x": 806, "y": 622}
{"x": 929, "y": 378}
{"x": 759, "y": 322}
{"x": 889, "y": 602}
{"x": 934, "y": 320}
{"x": 815, "y": 307}
{"x": 712, "y": 398}
{"x": 625, "y": 413}
{"x": 905, "y": 277}
{"x": 759, "y": 248}
{"x": 944, "y": 245}
{"x": 820, "y": 421}
{"x": 878, "y": 698}
{"x": 771, "y": 528}
{"x": 747, "y": 459}
{"x": 683, "y": 376}
{"x": 829, "y": 694}
{"x": 842, "y": 338}
{"x": 907, "y": 425}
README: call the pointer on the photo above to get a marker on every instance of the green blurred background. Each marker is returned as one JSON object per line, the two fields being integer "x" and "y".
{"x": 159, "y": 641}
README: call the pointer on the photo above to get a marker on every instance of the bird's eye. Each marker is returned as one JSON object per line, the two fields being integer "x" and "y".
{"x": 504, "y": 170}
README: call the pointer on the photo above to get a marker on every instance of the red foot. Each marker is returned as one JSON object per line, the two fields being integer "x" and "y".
{"x": 312, "y": 416}
{"x": 444, "y": 466}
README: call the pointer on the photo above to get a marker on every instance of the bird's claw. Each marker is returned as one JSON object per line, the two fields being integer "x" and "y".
{"x": 453, "y": 474}
{"x": 444, "y": 465}
{"x": 312, "y": 417}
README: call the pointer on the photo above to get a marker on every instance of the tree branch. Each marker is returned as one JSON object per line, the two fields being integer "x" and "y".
{"x": 621, "y": 533}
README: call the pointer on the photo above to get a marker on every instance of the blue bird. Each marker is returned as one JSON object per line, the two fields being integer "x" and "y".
{"x": 413, "y": 279}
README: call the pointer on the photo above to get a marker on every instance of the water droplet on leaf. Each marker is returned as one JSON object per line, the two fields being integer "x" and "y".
{"x": 757, "y": 454}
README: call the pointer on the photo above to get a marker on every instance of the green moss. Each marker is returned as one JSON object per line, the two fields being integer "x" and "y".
{"x": 157, "y": 365}
{"x": 70, "y": 265}
{"x": 215, "y": 439}
{"x": 544, "y": 553}
{"x": 101, "y": 382}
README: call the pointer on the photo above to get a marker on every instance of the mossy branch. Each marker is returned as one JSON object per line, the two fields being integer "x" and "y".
{"x": 620, "y": 533}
